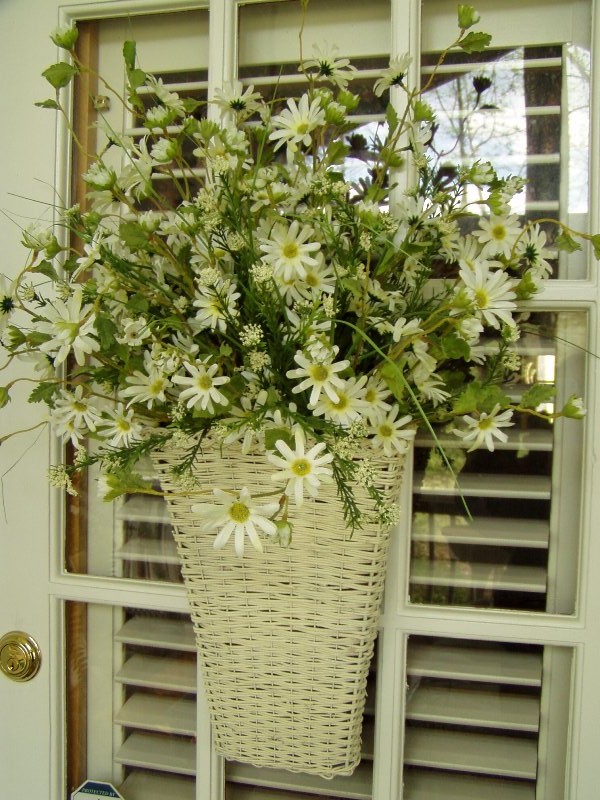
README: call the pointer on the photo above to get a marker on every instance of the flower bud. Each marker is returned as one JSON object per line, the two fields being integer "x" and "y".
{"x": 65, "y": 37}
{"x": 467, "y": 17}
{"x": 574, "y": 408}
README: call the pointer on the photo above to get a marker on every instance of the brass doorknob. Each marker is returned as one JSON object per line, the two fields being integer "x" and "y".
{"x": 20, "y": 656}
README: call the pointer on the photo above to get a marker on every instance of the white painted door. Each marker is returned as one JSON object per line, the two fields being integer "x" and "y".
{"x": 418, "y": 625}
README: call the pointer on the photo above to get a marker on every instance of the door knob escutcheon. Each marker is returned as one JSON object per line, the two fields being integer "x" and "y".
{"x": 20, "y": 656}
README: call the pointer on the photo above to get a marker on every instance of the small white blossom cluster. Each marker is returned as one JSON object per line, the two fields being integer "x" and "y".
{"x": 279, "y": 307}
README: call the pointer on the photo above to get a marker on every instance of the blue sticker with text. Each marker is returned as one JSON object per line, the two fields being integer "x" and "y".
{"x": 96, "y": 790}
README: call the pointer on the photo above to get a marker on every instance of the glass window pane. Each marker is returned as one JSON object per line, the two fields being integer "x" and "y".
{"x": 483, "y": 718}
{"x": 499, "y": 533}
{"x": 131, "y": 702}
{"x": 524, "y": 105}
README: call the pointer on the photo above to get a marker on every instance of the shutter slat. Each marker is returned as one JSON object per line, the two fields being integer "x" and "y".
{"x": 475, "y": 664}
{"x": 160, "y": 713}
{"x": 492, "y": 531}
{"x": 518, "y": 486}
{"x": 171, "y": 634}
{"x": 513, "y": 64}
{"x": 156, "y": 672}
{"x": 146, "y": 786}
{"x": 482, "y": 709}
{"x": 162, "y": 753}
{"x": 537, "y": 439}
{"x": 473, "y": 575}
{"x": 144, "y": 508}
{"x": 354, "y": 787}
{"x": 421, "y": 785}
{"x": 150, "y": 551}
{"x": 481, "y": 753}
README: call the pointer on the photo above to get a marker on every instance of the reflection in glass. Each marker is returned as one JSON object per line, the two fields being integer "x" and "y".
{"x": 500, "y": 535}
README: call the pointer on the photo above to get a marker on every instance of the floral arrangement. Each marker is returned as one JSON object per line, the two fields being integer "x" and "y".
{"x": 274, "y": 304}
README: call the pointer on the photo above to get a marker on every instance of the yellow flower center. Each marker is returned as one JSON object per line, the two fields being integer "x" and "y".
{"x": 342, "y": 403}
{"x": 302, "y": 128}
{"x": 156, "y": 386}
{"x": 300, "y": 467}
{"x": 239, "y": 512}
{"x": 319, "y": 373}
{"x": 312, "y": 279}
{"x": 485, "y": 423}
{"x": 205, "y": 382}
{"x": 386, "y": 431}
{"x": 79, "y": 407}
{"x": 499, "y": 232}
{"x": 123, "y": 425}
{"x": 481, "y": 298}
{"x": 290, "y": 250}
{"x": 370, "y": 395}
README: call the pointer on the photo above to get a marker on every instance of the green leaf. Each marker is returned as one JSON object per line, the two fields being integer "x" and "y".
{"x": 122, "y": 482}
{"x": 137, "y": 304}
{"x": 475, "y": 42}
{"x": 133, "y": 236}
{"x": 595, "y": 240}
{"x": 44, "y": 392}
{"x": 106, "y": 330}
{"x": 454, "y": 346}
{"x": 391, "y": 117}
{"x": 274, "y": 435}
{"x": 129, "y": 52}
{"x": 60, "y": 75}
{"x": 46, "y": 268}
{"x": 564, "y": 241}
{"x": 539, "y": 393}
{"x": 394, "y": 380}
{"x": 480, "y": 397}
{"x": 4, "y": 396}
{"x": 137, "y": 78}
{"x": 47, "y": 104}
{"x": 422, "y": 112}
{"x": 336, "y": 152}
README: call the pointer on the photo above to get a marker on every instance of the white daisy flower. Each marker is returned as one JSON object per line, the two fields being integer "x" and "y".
{"x": 7, "y": 300}
{"x": 122, "y": 428}
{"x": 498, "y": 234}
{"x": 70, "y": 327}
{"x": 348, "y": 408}
{"x": 532, "y": 247}
{"x": 325, "y": 65}
{"x": 135, "y": 331}
{"x": 146, "y": 387}
{"x": 319, "y": 376}
{"x": 403, "y": 329}
{"x": 237, "y": 515}
{"x": 202, "y": 383}
{"x": 73, "y": 407}
{"x": 288, "y": 250}
{"x": 393, "y": 75}
{"x": 391, "y": 434}
{"x": 483, "y": 428}
{"x": 295, "y": 123}
{"x": 491, "y": 292}
{"x": 216, "y": 306}
{"x": 234, "y": 98}
{"x": 375, "y": 399}
{"x": 300, "y": 469}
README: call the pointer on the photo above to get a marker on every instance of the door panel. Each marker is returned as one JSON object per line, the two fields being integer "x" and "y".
{"x": 134, "y": 713}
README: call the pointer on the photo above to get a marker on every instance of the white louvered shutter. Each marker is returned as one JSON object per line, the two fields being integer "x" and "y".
{"x": 464, "y": 701}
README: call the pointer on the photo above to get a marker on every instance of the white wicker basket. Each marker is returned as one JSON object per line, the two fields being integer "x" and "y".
{"x": 285, "y": 638}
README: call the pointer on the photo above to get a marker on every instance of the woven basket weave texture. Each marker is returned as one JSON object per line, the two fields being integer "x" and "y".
{"x": 285, "y": 638}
